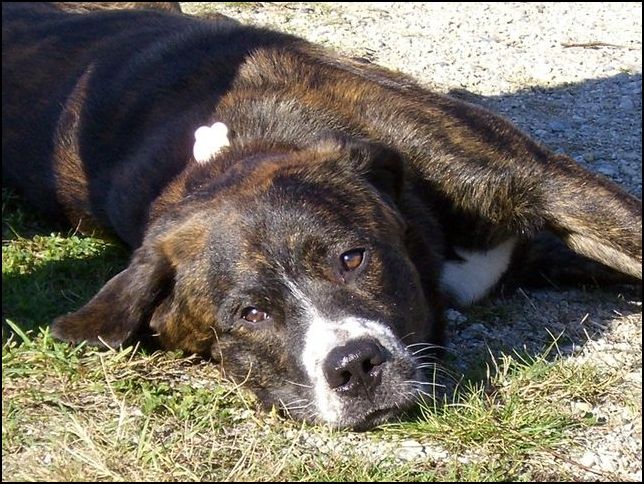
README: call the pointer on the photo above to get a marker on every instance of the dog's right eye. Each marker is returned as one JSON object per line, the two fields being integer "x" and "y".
{"x": 254, "y": 315}
{"x": 352, "y": 259}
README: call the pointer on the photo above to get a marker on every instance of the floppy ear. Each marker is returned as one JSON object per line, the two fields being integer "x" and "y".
{"x": 382, "y": 166}
{"x": 384, "y": 169}
{"x": 123, "y": 305}
{"x": 127, "y": 302}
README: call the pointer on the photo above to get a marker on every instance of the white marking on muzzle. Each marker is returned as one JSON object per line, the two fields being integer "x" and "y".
{"x": 322, "y": 336}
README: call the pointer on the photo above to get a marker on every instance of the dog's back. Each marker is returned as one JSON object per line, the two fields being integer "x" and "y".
{"x": 62, "y": 70}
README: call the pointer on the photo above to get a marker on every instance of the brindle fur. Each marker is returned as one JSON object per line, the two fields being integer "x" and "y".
{"x": 99, "y": 112}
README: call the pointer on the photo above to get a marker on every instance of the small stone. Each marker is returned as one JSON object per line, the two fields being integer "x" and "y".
{"x": 463, "y": 459}
{"x": 409, "y": 443}
{"x": 542, "y": 71}
{"x": 136, "y": 412}
{"x": 629, "y": 170}
{"x": 581, "y": 408}
{"x": 475, "y": 329}
{"x": 557, "y": 126}
{"x": 606, "y": 169}
{"x": 409, "y": 450}
{"x": 589, "y": 157}
{"x": 453, "y": 316}
{"x": 589, "y": 459}
{"x": 626, "y": 103}
{"x": 608, "y": 463}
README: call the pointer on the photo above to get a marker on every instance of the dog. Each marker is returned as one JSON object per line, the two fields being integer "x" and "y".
{"x": 298, "y": 217}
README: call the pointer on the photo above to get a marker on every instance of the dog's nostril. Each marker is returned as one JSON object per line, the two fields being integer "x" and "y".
{"x": 345, "y": 377}
{"x": 355, "y": 368}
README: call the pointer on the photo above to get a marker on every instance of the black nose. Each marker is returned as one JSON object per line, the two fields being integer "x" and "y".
{"x": 356, "y": 368}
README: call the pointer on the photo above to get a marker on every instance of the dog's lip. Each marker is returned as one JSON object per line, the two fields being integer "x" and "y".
{"x": 380, "y": 415}
{"x": 376, "y": 417}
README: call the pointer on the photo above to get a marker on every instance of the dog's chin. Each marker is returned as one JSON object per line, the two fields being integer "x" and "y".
{"x": 372, "y": 417}
{"x": 358, "y": 421}
{"x": 375, "y": 418}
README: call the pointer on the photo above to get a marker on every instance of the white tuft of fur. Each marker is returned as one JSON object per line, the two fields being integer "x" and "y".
{"x": 210, "y": 140}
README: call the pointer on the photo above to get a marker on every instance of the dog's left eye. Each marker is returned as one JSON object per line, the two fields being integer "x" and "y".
{"x": 352, "y": 259}
{"x": 254, "y": 315}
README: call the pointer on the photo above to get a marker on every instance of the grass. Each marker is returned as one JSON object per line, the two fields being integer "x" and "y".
{"x": 75, "y": 413}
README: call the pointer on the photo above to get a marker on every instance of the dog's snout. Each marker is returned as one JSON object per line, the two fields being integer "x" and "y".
{"x": 355, "y": 369}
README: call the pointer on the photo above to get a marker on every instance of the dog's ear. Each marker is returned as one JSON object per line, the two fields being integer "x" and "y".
{"x": 382, "y": 166}
{"x": 128, "y": 300}
{"x": 119, "y": 309}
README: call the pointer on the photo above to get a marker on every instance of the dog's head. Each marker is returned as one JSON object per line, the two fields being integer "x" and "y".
{"x": 293, "y": 271}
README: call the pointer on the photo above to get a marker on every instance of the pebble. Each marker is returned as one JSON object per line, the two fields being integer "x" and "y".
{"x": 626, "y": 103}
{"x": 557, "y": 126}
{"x": 606, "y": 169}
{"x": 410, "y": 450}
{"x": 454, "y": 316}
{"x": 588, "y": 459}
{"x": 582, "y": 408}
{"x": 589, "y": 157}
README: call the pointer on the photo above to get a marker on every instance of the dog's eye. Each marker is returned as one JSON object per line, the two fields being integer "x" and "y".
{"x": 352, "y": 259}
{"x": 254, "y": 315}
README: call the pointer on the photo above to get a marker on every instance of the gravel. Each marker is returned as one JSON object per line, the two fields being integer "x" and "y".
{"x": 570, "y": 75}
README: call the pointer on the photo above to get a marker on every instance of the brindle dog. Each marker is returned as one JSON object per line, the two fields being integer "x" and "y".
{"x": 308, "y": 252}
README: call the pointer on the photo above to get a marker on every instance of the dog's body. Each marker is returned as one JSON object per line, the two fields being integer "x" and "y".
{"x": 310, "y": 254}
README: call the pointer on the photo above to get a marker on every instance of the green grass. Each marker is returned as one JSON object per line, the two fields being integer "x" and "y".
{"x": 75, "y": 413}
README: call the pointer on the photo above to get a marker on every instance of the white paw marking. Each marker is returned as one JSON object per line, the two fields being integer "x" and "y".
{"x": 210, "y": 140}
{"x": 471, "y": 279}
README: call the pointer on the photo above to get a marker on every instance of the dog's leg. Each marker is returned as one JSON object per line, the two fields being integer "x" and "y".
{"x": 594, "y": 216}
{"x": 528, "y": 190}
{"x": 546, "y": 261}
{"x": 488, "y": 171}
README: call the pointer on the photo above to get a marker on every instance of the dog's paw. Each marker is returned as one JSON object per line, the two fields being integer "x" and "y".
{"x": 210, "y": 140}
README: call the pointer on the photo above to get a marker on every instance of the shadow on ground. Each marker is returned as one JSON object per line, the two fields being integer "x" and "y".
{"x": 598, "y": 122}
{"x": 34, "y": 290}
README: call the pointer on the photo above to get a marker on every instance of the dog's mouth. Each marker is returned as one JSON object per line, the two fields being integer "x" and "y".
{"x": 391, "y": 411}
{"x": 376, "y": 418}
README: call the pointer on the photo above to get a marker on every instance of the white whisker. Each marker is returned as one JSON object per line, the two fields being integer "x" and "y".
{"x": 408, "y": 335}
{"x": 299, "y": 407}
{"x": 429, "y": 345}
{"x": 298, "y": 384}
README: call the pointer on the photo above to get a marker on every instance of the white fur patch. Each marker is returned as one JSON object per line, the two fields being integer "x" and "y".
{"x": 210, "y": 140}
{"x": 322, "y": 336}
{"x": 471, "y": 279}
